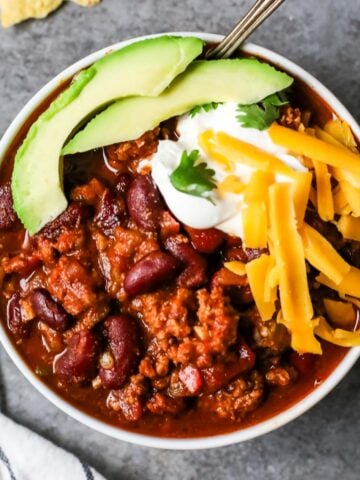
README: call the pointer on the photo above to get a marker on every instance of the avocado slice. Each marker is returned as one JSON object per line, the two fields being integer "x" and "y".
{"x": 142, "y": 68}
{"x": 243, "y": 81}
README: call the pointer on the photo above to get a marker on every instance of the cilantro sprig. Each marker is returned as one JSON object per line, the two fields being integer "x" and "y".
{"x": 193, "y": 178}
{"x": 261, "y": 115}
{"x": 206, "y": 107}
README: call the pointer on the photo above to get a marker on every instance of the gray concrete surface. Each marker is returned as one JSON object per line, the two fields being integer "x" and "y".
{"x": 321, "y": 35}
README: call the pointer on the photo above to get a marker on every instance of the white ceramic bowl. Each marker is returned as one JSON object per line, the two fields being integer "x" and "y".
{"x": 193, "y": 443}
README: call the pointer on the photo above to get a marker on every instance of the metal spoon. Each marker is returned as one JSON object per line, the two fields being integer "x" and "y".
{"x": 260, "y": 11}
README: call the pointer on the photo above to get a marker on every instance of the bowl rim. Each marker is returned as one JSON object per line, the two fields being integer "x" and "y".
{"x": 164, "y": 442}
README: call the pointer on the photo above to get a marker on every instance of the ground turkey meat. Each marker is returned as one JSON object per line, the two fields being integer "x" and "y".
{"x": 119, "y": 253}
{"x": 73, "y": 285}
{"x": 130, "y": 400}
{"x": 160, "y": 403}
{"x": 166, "y": 314}
{"x": 237, "y": 399}
{"x": 269, "y": 334}
{"x": 133, "y": 152}
{"x": 213, "y": 333}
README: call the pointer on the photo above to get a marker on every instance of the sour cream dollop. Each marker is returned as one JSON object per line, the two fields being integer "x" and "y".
{"x": 198, "y": 212}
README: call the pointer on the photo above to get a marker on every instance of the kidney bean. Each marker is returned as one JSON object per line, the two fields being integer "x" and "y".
{"x": 237, "y": 253}
{"x": 8, "y": 217}
{"x": 194, "y": 273}
{"x": 303, "y": 362}
{"x": 108, "y": 215}
{"x": 151, "y": 271}
{"x": 78, "y": 362}
{"x": 192, "y": 379}
{"x": 123, "y": 182}
{"x": 73, "y": 216}
{"x": 205, "y": 241}
{"x": 14, "y": 317}
{"x": 241, "y": 297}
{"x": 49, "y": 311}
{"x": 124, "y": 343}
{"x": 144, "y": 203}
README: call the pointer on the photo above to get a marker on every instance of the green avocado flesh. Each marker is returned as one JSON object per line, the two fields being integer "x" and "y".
{"x": 143, "y": 68}
{"x": 243, "y": 81}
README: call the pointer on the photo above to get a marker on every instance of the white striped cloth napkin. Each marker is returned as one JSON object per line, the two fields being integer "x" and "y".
{"x": 24, "y": 455}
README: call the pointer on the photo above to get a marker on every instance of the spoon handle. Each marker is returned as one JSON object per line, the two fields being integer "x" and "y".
{"x": 259, "y": 12}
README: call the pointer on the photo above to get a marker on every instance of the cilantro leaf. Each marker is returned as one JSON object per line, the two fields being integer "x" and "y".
{"x": 261, "y": 115}
{"x": 207, "y": 107}
{"x": 191, "y": 178}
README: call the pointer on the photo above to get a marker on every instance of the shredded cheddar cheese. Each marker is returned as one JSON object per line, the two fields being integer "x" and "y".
{"x": 340, "y": 131}
{"x": 350, "y": 285}
{"x": 338, "y": 336}
{"x": 288, "y": 251}
{"x": 301, "y": 193}
{"x": 254, "y": 213}
{"x": 342, "y": 314}
{"x": 349, "y": 227}
{"x": 258, "y": 271}
{"x": 206, "y": 141}
{"x": 325, "y": 204}
{"x": 220, "y": 145}
{"x": 341, "y": 206}
{"x": 236, "y": 267}
{"x": 322, "y": 255}
{"x": 314, "y": 148}
{"x": 352, "y": 195}
{"x": 231, "y": 184}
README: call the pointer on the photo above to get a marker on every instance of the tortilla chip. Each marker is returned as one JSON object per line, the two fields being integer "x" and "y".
{"x": 15, "y": 11}
{"x": 86, "y": 3}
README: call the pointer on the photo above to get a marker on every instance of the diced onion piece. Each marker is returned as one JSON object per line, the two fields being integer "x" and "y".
{"x": 254, "y": 213}
{"x": 257, "y": 271}
{"x": 349, "y": 227}
{"x": 341, "y": 131}
{"x": 301, "y": 192}
{"x": 231, "y": 184}
{"x": 352, "y": 195}
{"x": 322, "y": 255}
{"x": 314, "y": 148}
{"x": 236, "y": 150}
{"x": 288, "y": 251}
{"x": 340, "y": 337}
{"x": 340, "y": 313}
{"x": 236, "y": 267}
{"x": 206, "y": 141}
{"x": 350, "y": 285}
{"x": 341, "y": 207}
{"x": 325, "y": 204}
